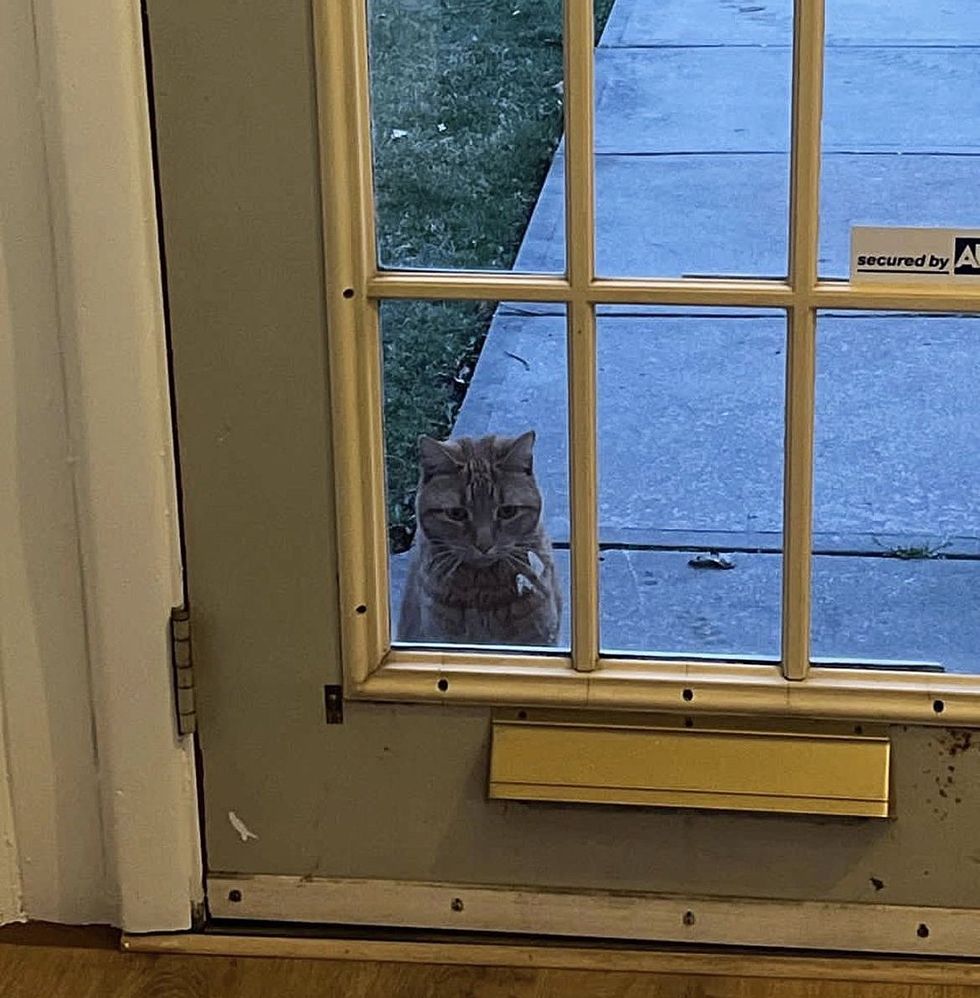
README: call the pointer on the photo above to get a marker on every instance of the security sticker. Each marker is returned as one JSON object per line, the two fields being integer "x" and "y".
{"x": 904, "y": 256}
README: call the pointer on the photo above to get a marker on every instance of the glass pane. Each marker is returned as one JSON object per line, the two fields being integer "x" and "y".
{"x": 901, "y": 119}
{"x": 692, "y": 138}
{"x": 896, "y": 572}
{"x": 690, "y": 483}
{"x": 478, "y": 507}
{"x": 466, "y": 103}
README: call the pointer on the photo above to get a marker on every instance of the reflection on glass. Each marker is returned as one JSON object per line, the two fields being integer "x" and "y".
{"x": 690, "y": 481}
{"x": 890, "y": 160}
{"x": 466, "y": 103}
{"x": 476, "y": 444}
{"x": 692, "y": 139}
{"x": 896, "y": 569}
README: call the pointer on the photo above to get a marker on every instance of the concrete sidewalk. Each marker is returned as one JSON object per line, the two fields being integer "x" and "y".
{"x": 692, "y": 178}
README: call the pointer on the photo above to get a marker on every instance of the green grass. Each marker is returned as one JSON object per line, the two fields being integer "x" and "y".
{"x": 467, "y": 112}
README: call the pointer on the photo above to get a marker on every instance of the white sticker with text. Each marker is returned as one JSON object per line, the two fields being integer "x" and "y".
{"x": 901, "y": 256}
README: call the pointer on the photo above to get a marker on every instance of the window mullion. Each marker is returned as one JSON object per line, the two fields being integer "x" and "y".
{"x": 808, "y": 58}
{"x": 798, "y": 493}
{"x": 581, "y": 331}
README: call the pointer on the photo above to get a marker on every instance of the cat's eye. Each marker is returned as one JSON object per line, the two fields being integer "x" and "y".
{"x": 457, "y": 513}
{"x": 506, "y": 512}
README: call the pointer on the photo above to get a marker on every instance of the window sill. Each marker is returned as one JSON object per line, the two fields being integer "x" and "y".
{"x": 676, "y": 686}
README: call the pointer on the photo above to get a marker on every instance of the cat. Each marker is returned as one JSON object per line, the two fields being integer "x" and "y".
{"x": 482, "y": 570}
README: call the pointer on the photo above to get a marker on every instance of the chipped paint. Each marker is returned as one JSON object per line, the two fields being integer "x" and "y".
{"x": 244, "y": 832}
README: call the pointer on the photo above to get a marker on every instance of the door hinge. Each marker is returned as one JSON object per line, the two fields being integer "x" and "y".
{"x": 183, "y": 665}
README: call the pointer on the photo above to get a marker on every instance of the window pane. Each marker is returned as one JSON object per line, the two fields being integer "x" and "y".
{"x": 896, "y": 572}
{"x": 692, "y": 139}
{"x": 690, "y": 460}
{"x": 466, "y": 103}
{"x": 485, "y": 561}
{"x": 901, "y": 119}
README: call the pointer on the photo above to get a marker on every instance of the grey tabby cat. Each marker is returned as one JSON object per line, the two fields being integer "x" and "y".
{"x": 482, "y": 570}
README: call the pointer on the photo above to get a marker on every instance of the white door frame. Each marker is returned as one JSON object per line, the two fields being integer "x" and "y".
{"x": 89, "y": 382}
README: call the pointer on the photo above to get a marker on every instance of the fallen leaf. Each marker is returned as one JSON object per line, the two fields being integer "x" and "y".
{"x": 713, "y": 560}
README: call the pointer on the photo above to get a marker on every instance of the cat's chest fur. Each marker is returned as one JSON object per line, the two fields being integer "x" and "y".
{"x": 501, "y": 604}
{"x": 511, "y": 612}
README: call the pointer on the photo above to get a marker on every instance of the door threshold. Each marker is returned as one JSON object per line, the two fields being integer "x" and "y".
{"x": 707, "y": 962}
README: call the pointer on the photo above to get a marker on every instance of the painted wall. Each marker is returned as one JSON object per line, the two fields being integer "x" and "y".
{"x": 96, "y": 793}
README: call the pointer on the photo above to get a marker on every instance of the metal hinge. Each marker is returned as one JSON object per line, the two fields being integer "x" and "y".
{"x": 183, "y": 665}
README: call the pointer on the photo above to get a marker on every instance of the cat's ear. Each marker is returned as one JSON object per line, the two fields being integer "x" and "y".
{"x": 517, "y": 453}
{"x": 437, "y": 458}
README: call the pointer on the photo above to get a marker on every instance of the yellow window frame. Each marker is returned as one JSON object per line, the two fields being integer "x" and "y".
{"x": 356, "y": 286}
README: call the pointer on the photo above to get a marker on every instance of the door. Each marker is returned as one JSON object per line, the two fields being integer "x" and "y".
{"x": 646, "y": 275}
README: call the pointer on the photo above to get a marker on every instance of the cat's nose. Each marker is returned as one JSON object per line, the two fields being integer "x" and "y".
{"x": 483, "y": 544}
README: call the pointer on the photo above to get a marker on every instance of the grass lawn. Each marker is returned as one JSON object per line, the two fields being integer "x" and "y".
{"x": 467, "y": 108}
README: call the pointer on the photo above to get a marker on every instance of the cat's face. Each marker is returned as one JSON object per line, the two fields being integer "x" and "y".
{"x": 477, "y": 496}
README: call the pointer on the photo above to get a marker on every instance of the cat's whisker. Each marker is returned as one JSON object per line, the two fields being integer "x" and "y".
{"x": 445, "y": 561}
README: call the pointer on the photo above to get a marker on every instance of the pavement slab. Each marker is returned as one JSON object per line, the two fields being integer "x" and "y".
{"x": 878, "y": 610}
{"x": 691, "y": 423}
{"x": 897, "y": 434}
{"x": 769, "y": 22}
{"x": 700, "y": 214}
{"x": 737, "y": 99}
{"x": 886, "y": 608}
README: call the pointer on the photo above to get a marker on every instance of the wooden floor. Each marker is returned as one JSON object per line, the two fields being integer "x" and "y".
{"x": 55, "y": 963}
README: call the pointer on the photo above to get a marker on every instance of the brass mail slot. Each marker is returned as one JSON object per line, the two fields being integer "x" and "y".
{"x": 725, "y": 765}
